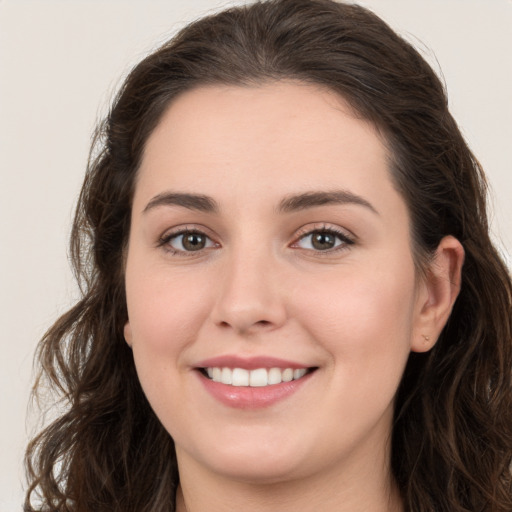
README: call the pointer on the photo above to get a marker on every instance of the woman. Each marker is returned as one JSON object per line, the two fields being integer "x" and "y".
{"x": 290, "y": 295}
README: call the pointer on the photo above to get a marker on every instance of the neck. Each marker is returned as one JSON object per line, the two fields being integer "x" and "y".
{"x": 350, "y": 490}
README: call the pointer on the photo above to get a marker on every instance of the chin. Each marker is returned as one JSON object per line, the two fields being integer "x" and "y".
{"x": 258, "y": 471}
{"x": 251, "y": 460}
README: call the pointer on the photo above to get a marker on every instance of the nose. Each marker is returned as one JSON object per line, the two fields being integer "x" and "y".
{"x": 251, "y": 294}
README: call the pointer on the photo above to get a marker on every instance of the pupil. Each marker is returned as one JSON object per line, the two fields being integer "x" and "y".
{"x": 193, "y": 242}
{"x": 323, "y": 241}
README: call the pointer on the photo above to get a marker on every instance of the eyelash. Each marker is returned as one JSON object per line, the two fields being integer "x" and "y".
{"x": 342, "y": 236}
{"x": 344, "y": 239}
{"x": 166, "y": 239}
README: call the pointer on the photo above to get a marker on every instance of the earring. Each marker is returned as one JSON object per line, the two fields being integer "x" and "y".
{"x": 426, "y": 338}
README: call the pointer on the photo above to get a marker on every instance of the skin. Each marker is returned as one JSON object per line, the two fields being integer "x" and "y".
{"x": 259, "y": 287}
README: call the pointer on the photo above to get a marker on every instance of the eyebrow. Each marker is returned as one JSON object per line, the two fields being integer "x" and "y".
{"x": 196, "y": 202}
{"x": 289, "y": 204}
{"x": 320, "y": 198}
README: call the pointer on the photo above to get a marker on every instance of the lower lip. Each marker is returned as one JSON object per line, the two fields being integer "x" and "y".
{"x": 246, "y": 397}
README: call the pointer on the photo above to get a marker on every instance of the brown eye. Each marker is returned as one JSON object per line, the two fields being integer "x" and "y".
{"x": 324, "y": 240}
{"x": 189, "y": 241}
{"x": 194, "y": 241}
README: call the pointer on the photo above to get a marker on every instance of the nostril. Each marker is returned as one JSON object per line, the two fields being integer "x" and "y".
{"x": 260, "y": 323}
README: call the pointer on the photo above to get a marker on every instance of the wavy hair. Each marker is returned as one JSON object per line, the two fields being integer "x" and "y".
{"x": 452, "y": 435}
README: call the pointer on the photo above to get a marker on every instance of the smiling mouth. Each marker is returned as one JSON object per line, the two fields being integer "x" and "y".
{"x": 259, "y": 377}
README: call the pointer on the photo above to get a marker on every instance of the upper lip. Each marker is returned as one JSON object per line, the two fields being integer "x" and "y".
{"x": 249, "y": 363}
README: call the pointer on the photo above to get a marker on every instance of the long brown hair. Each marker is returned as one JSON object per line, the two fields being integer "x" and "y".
{"x": 452, "y": 436}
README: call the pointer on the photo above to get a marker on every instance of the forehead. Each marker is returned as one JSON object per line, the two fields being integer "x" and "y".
{"x": 287, "y": 137}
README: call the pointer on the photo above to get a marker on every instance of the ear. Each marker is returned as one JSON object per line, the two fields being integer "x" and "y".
{"x": 437, "y": 293}
{"x": 128, "y": 336}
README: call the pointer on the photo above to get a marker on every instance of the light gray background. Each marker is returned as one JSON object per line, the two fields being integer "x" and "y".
{"x": 60, "y": 62}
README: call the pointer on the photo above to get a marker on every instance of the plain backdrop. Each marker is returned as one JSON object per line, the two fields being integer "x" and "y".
{"x": 61, "y": 61}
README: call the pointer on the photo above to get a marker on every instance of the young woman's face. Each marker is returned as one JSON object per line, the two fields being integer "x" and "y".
{"x": 268, "y": 243}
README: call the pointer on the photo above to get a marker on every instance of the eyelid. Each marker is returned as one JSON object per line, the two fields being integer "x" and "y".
{"x": 346, "y": 236}
{"x": 169, "y": 234}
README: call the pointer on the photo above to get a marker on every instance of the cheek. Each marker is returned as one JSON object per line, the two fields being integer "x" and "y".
{"x": 165, "y": 314}
{"x": 164, "y": 317}
{"x": 363, "y": 319}
{"x": 161, "y": 304}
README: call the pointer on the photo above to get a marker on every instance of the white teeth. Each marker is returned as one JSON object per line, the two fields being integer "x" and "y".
{"x": 254, "y": 378}
{"x": 297, "y": 374}
{"x": 258, "y": 378}
{"x": 274, "y": 376}
{"x": 226, "y": 375}
{"x": 240, "y": 377}
{"x": 288, "y": 375}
